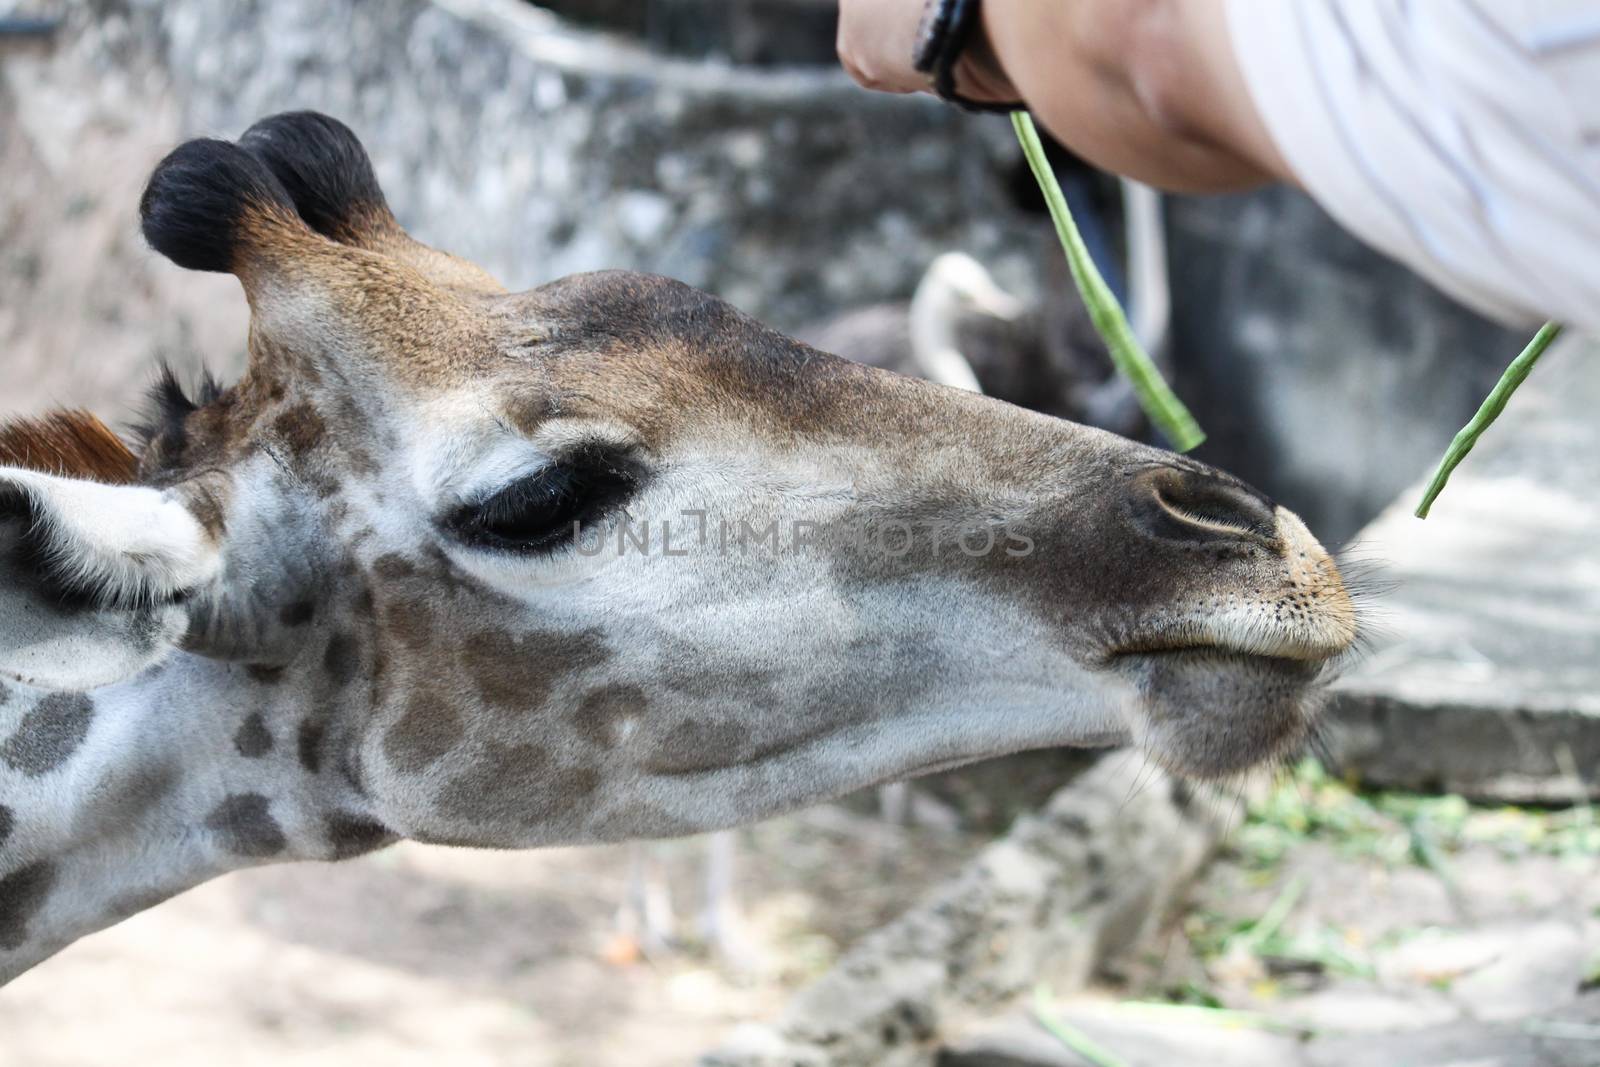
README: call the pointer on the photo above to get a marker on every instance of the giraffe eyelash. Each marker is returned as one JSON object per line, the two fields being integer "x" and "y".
{"x": 543, "y": 512}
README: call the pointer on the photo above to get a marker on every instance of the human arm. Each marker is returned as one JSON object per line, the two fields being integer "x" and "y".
{"x": 1146, "y": 88}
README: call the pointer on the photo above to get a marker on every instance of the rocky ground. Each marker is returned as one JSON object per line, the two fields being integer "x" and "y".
{"x": 1340, "y": 927}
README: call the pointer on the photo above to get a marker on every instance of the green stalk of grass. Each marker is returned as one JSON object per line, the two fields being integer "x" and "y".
{"x": 1493, "y": 405}
{"x": 1225, "y": 1018}
{"x": 1155, "y": 396}
{"x": 1275, "y": 915}
{"x": 1070, "y": 1035}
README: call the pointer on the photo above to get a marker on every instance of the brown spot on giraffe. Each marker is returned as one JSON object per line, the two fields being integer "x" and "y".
{"x": 411, "y": 623}
{"x": 301, "y": 429}
{"x": 429, "y": 728}
{"x": 264, "y": 673}
{"x": 393, "y": 567}
{"x": 22, "y": 894}
{"x": 253, "y": 740}
{"x": 309, "y": 744}
{"x": 355, "y": 835}
{"x": 245, "y": 827}
{"x": 518, "y": 672}
{"x": 362, "y": 602}
{"x": 517, "y": 785}
{"x": 138, "y": 792}
{"x": 341, "y": 659}
{"x": 298, "y": 613}
{"x": 506, "y": 772}
{"x": 49, "y": 733}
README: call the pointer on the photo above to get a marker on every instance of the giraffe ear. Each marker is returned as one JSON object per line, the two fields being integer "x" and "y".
{"x": 216, "y": 206}
{"x": 210, "y": 205}
{"x": 321, "y": 164}
{"x": 95, "y": 579}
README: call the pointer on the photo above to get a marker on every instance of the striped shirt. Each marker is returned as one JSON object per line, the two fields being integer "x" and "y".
{"x": 1461, "y": 137}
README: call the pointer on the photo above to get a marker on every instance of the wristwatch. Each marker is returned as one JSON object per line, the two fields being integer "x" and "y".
{"x": 945, "y": 31}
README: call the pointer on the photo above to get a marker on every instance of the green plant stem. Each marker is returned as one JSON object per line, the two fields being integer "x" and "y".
{"x": 1275, "y": 915}
{"x": 1199, "y": 1014}
{"x": 1155, "y": 396}
{"x": 1492, "y": 406}
{"x": 1070, "y": 1035}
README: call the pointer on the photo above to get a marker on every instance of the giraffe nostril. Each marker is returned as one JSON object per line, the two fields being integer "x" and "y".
{"x": 1200, "y": 506}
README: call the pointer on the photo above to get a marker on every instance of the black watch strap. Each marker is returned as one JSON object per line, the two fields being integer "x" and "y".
{"x": 945, "y": 31}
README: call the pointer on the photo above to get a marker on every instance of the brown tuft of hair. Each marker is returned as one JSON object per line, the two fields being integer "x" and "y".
{"x": 73, "y": 444}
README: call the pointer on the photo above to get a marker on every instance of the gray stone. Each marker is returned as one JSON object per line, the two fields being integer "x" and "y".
{"x": 1561, "y": 1034}
{"x": 1018, "y": 1042}
{"x": 1485, "y": 679}
{"x": 1567, "y": 1037}
{"x": 1352, "y": 1008}
{"x": 1457, "y": 1045}
{"x": 1136, "y": 1038}
{"x": 1084, "y": 878}
{"x": 1535, "y": 966}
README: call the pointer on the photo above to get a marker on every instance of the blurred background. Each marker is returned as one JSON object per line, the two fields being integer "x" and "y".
{"x": 717, "y": 141}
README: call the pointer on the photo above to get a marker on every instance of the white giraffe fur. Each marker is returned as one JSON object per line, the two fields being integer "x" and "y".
{"x": 132, "y": 550}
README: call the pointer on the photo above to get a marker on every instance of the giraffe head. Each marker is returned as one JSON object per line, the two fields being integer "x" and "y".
{"x": 607, "y": 558}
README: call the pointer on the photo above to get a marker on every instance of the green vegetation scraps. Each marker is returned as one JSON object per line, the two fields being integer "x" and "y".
{"x": 1160, "y": 403}
{"x": 1492, "y": 406}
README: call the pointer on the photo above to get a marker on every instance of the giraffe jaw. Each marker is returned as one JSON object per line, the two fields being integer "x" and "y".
{"x": 1183, "y": 723}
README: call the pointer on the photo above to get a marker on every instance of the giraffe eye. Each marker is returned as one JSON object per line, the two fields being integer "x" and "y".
{"x": 545, "y": 511}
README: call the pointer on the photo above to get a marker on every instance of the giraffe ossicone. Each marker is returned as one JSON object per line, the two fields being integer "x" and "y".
{"x": 356, "y": 596}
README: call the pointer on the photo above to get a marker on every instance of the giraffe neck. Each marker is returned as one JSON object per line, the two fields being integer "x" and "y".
{"x": 114, "y": 800}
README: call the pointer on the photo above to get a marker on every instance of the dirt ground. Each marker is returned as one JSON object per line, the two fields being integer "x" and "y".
{"x": 424, "y": 955}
